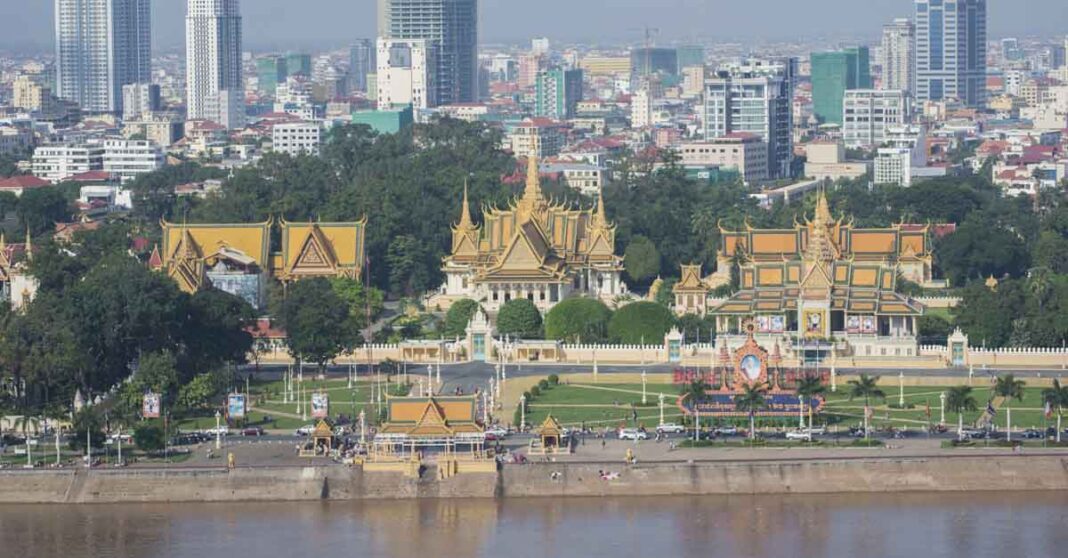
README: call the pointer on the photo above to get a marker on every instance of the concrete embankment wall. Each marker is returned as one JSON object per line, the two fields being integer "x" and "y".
{"x": 951, "y": 474}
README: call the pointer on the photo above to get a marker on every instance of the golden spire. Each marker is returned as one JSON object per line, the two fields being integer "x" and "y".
{"x": 821, "y": 244}
{"x": 532, "y": 199}
{"x": 465, "y": 215}
{"x": 29, "y": 244}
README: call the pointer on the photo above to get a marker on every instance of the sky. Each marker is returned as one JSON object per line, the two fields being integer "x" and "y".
{"x": 283, "y": 24}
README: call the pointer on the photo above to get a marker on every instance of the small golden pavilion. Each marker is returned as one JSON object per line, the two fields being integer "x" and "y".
{"x": 536, "y": 249}
{"x": 417, "y": 424}
{"x": 818, "y": 280}
{"x": 237, "y": 258}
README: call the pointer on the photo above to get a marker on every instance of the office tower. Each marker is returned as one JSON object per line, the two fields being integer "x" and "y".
{"x": 101, "y": 45}
{"x": 558, "y": 93}
{"x": 451, "y": 29}
{"x": 869, "y": 113}
{"x": 899, "y": 56}
{"x": 362, "y": 61}
{"x": 529, "y": 68}
{"x": 647, "y": 61}
{"x": 757, "y": 98}
{"x": 298, "y": 64}
{"x": 832, "y": 74}
{"x": 951, "y": 51}
{"x": 271, "y": 71}
{"x": 139, "y": 99}
{"x": 214, "y": 89}
{"x": 405, "y": 74}
{"x": 689, "y": 56}
{"x": 540, "y": 45}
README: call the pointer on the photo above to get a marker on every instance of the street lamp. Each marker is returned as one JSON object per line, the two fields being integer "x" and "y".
{"x": 522, "y": 413}
{"x": 644, "y": 400}
{"x": 901, "y": 389}
{"x": 661, "y": 409}
{"x": 218, "y": 429}
{"x": 942, "y": 399}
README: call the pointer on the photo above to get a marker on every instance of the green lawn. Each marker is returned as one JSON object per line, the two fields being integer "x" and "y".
{"x": 603, "y": 404}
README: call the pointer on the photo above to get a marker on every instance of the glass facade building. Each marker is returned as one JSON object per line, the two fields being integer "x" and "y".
{"x": 951, "y": 51}
{"x": 832, "y": 74}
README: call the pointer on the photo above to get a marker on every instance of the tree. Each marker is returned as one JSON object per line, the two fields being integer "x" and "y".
{"x": 519, "y": 318}
{"x": 959, "y": 400}
{"x": 1010, "y": 388}
{"x": 695, "y": 390}
{"x": 88, "y": 420}
{"x": 640, "y": 322}
{"x": 809, "y": 387}
{"x": 408, "y": 262}
{"x": 867, "y": 387}
{"x": 641, "y": 259}
{"x": 311, "y": 313}
{"x": 696, "y": 328}
{"x": 578, "y": 320}
{"x": 933, "y": 329}
{"x": 458, "y": 316}
{"x": 1056, "y": 396}
{"x": 980, "y": 248}
{"x": 39, "y": 209}
{"x": 750, "y": 401}
{"x": 1051, "y": 252}
{"x": 197, "y": 393}
{"x": 150, "y": 437}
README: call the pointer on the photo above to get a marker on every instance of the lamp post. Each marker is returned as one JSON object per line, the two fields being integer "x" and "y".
{"x": 834, "y": 378}
{"x": 218, "y": 426}
{"x": 1008, "y": 424}
{"x": 644, "y": 399}
{"x": 801, "y": 410}
{"x": 901, "y": 389}
{"x": 57, "y": 445}
{"x": 430, "y": 380}
{"x": 522, "y": 413}
{"x": 363, "y": 427}
{"x": 942, "y": 400}
{"x": 661, "y": 409}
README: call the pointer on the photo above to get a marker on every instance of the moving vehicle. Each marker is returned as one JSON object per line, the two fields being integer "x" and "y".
{"x": 726, "y": 430}
{"x": 494, "y": 433}
{"x": 252, "y": 431}
{"x": 305, "y": 430}
{"x": 803, "y": 435}
{"x": 633, "y": 434}
{"x": 670, "y": 428}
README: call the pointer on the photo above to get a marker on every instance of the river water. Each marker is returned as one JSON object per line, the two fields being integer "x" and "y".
{"x": 1017, "y": 525}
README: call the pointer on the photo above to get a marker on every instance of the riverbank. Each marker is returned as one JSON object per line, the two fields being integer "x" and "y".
{"x": 875, "y": 474}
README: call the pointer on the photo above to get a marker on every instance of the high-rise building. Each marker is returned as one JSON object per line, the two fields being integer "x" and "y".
{"x": 646, "y": 61}
{"x": 540, "y": 45}
{"x": 299, "y": 64}
{"x": 689, "y": 56}
{"x": 558, "y": 93}
{"x": 832, "y": 74}
{"x": 641, "y": 109}
{"x": 755, "y": 97}
{"x": 869, "y": 113}
{"x": 405, "y": 74}
{"x": 951, "y": 51}
{"x": 899, "y": 56}
{"x": 362, "y": 61}
{"x": 214, "y": 88}
{"x": 529, "y": 68}
{"x": 101, "y": 45}
{"x": 138, "y": 99}
{"x": 451, "y": 29}
{"x": 271, "y": 71}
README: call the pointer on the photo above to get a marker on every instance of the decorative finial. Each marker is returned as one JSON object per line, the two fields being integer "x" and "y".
{"x": 29, "y": 244}
{"x": 465, "y": 214}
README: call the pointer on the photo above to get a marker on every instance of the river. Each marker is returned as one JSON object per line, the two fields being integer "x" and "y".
{"x": 1030, "y": 525}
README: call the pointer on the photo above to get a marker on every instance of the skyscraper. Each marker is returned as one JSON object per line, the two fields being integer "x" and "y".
{"x": 756, "y": 98}
{"x": 101, "y": 45}
{"x": 362, "y": 61}
{"x": 832, "y": 74}
{"x": 558, "y": 93}
{"x": 899, "y": 56}
{"x": 951, "y": 51}
{"x": 451, "y": 28}
{"x": 214, "y": 88}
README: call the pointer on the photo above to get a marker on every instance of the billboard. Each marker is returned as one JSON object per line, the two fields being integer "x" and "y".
{"x": 235, "y": 405}
{"x": 151, "y": 405}
{"x": 320, "y": 405}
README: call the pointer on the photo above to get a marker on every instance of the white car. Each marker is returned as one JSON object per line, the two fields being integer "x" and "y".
{"x": 221, "y": 431}
{"x": 632, "y": 434}
{"x": 818, "y": 430}
{"x": 804, "y": 435}
{"x": 727, "y": 431}
{"x": 305, "y": 430}
{"x": 671, "y": 428}
{"x": 496, "y": 432}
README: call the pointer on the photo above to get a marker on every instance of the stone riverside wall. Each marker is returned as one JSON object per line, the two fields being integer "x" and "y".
{"x": 950, "y": 474}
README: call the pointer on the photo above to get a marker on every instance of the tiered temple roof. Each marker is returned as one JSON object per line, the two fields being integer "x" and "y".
{"x": 534, "y": 238}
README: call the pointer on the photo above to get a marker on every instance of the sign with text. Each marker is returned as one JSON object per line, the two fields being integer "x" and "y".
{"x": 320, "y": 405}
{"x": 151, "y": 405}
{"x": 235, "y": 405}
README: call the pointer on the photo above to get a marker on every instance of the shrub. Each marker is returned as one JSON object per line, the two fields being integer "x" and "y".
{"x": 519, "y": 317}
{"x": 543, "y": 385}
{"x": 535, "y": 391}
{"x": 458, "y": 316}
{"x": 554, "y": 379}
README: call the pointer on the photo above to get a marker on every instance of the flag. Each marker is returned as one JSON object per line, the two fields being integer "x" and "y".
{"x": 990, "y": 409}
{"x": 1049, "y": 411}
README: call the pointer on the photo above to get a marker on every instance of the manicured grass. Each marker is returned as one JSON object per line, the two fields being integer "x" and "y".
{"x": 603, "y": 404}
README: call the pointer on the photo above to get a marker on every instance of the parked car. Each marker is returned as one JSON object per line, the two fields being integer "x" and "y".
{"x": 726, "y": 431}
{"x": 190, "y": 439}
{"x": 305, "y": 430}
{"x": 223, "y": 430}
{"x": 252, "y": 431}
{"x": 817, "y": 430}
{"x": 494, "y": 433}
{"x": 670, "y": 428}
{"x": 804, "y": 435}
{"x": 1031, "y": 434}
{"x": 633, "y": 434}
{"x": 114, "y": 438}
{"x": 974, "y": 434}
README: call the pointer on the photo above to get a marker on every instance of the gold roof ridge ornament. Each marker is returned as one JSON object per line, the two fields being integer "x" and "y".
{"x": 533, "y": 202}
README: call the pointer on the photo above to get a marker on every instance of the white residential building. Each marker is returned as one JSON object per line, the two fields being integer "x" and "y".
{"x": 893, "y": 165}
{"x": 295, "y": 138}
{"x": 55, "y": 163}
{"x": 641, "y": 109}
{"x": 898, "y": 56}
{"x": 743, "y": 151}
{"x": 867, "y": 113}
{"x": 214, "y": 85}
{"x": 138, "y": 99}
{"x": 405, "y": 74}
{"x": 101, "y": 45}
{"x": 129, "y": 159}
{"x": 537, "y": 137}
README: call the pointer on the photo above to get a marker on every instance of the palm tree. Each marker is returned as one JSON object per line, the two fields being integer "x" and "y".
{"x": 750, "y": 401}
{"x": 24, "y": 423}
{"x": 1010, "y": 388}
{"x": 807, "y": 388}
{"x": 695, "y": 391}
{"x": 1056, "y": 397}
{"x": 958, "y": 400}
{"x": 867, "y": 387}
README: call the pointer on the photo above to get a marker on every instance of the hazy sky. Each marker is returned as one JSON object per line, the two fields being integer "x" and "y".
{"x": 296, "y": 23}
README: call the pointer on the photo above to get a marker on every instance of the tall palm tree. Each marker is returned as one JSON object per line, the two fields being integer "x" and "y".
{"x": 24, "y": 423}
{"x": 867, "y": 387}
{"x": 959, "y": 400}
{"x": 1010, "y": 388}
{"x": 750, "y": 401}
{"x": 807, "y": 388}
{"x": 695, "y": 390}
{"x": 1057, "y": 397}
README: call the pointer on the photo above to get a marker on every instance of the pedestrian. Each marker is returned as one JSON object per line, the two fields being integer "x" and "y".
{"x": 603, "y": 444}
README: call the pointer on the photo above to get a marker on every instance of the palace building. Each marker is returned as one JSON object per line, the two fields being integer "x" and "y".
{"x": 238, "y": 258}
{"x": 820, "y": 287}
{"x": 535, "y": 249}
